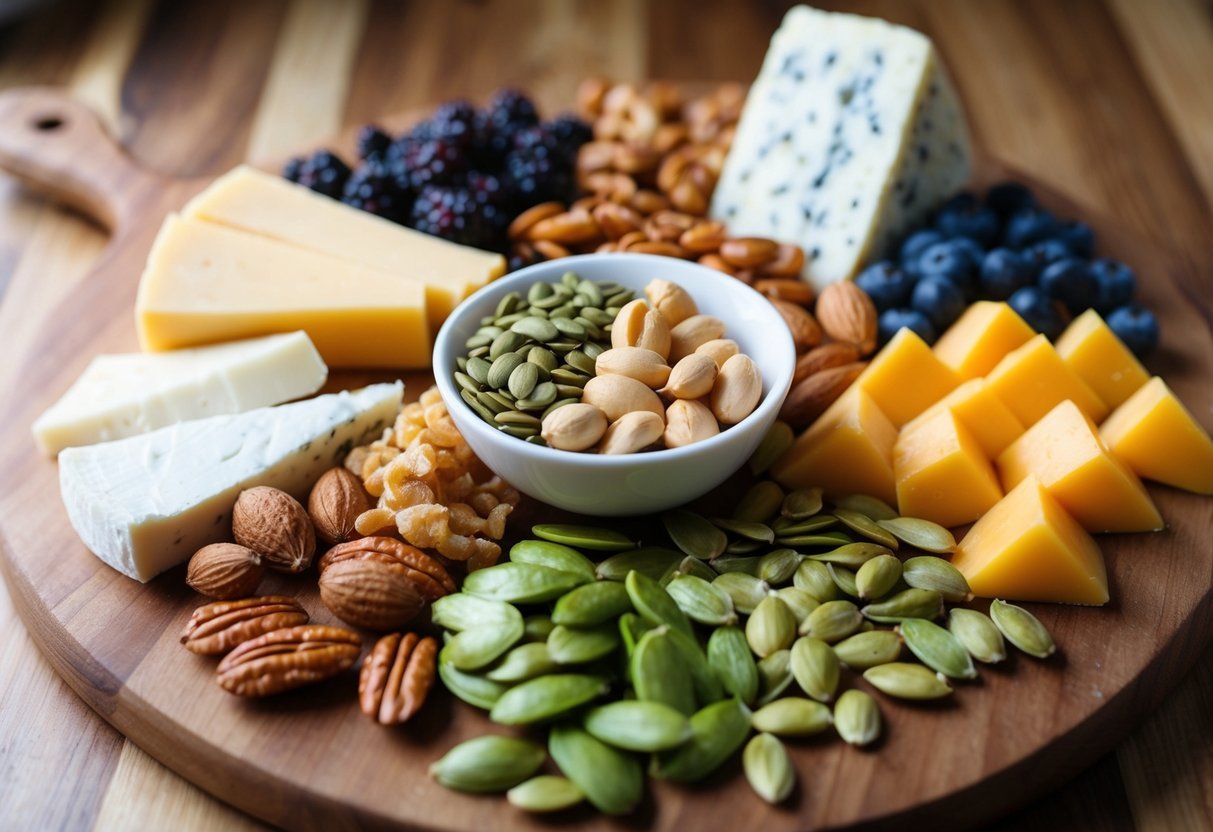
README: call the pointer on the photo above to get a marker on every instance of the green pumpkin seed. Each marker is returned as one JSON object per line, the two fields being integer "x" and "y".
{"x": 801, "y": 504}
{"x": 536, "y": 328}
{"x": 572, "y": 329}
{"x": 750, "y": 531}
{"x": 509, "y": 302}
{"x": 569, "y": 378}
{"x": 909, "y": 603}
{"x": 816, "y": 668}
{"x": 907, "y": 681}
{"x": 741, "y": 546}
{"x": 488, "y": 764}
{"x": 746, "y": 591}
{"x": 1022, "y": 629}
{"x": 545, "y": 793}
{"x": 655, "y": 604}
{"x": 650, "y": 561}
{"x": 703, "y": 678}
{"x": 520, "y": 432}
{"x": 592, "y": 350}
{"x": 521, "y": 583}
{"x": 775, "y": 441}
{"x": 503, "y": 365}
{"x": 478, "y": 369}
{"x": 768, "y": 768}
{"x": 790, "y": 527}
{"x": 717, "y": 731}
{"x": 927, "y": 572}
{"x": 477, "y": 647}
{"x": 553, "y": 556}
{"x": 635, "y": 725}
{"x": 774, "y": 676}
{"x": 844, "y": 579}
{"x": 659, "y": 673}
{"x": 814, "y": 578}
{"x": 571, "y": 645}
{"x": 864, "y": 525}
{"x": 731, "y": 563}
{"x": 462, "y": 612}
{"x": 760, "y": 503}
{"x": 505, "y": 344}
{"x": 937, "y": 648}
{"x": 584, "y": 537}
{"x": 523, "y": 380}
{"x": 832, "y": 621}
{"x": 526, "y": 661}
{"x": 612, "y": 780}
{"x": 869, "y": 649}
{"x": 792, "y": 716}
{"x": 730, "y": 658}
{"x": 543, "y": 358}
{"x": 799, "y": 602}
{"x": 474, "y": 689}
{"x": 592, "y": 604}
{"x": 921, "y": 534}
{"x": 857, "y": 718}
{"x": 491, "y": 404}
{"x": 779, "y": 566}
{"x": 537, "y": 628}
{"x": 772, "y": 627}
{"x": 695, "y": 568}
{"x": 474, "y": 403}
{"x": 702, "y": 601}
{"x": 871, "y": 507}
{"x": 631, "y": 628}
{"x": 517, "y": 418}
{"x": 878, "y": 576}
{"x": 978, "y": 634}
{"x": 544, "y": 395}
{"x": 538, "y": 291}
{"x": 693, "y": 534}
{"x": 546, "y": 697}
{"x": 852, "y": 555}
{"x": 831, "y": 539}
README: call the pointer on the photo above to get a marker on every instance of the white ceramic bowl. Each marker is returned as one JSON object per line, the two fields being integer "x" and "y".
{"x": 628, "y": 483}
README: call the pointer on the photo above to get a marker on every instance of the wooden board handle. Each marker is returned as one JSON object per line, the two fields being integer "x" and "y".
{"x": 58, "y": 147}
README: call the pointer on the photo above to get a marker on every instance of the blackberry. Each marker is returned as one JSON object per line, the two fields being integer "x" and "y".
{"x": 372, "y": 142}
{"x": 570, "y": 133}
{"x": 450, "y": 213}
{"x": 507, "y": 113}
{"x": 292, "y": 168}
{"x": 371, "y": 188}
{"x": 453, "y": 122}
{"x": 324, "y": 173}
{"x": 429, "y": 162}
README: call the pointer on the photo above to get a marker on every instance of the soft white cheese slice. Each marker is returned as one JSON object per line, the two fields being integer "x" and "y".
{"x": 124, "y": 395}
{"x": 851, "y": 135}
{"x": 146, "y": 503}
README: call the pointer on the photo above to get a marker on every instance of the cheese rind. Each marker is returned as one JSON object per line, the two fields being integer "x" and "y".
{"x": 206, "y": 283}
{"x": 1091, "y": 349}
{"x": 146, "y": 503}
{"x": 124, "y": 395}
{"x": 261, "y": 203}
{"x": 1156, "y": 436}
{"x": 851, "y": 135}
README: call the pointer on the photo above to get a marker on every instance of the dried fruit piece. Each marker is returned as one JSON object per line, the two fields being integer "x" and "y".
{"x": 288, "y": 658}
{"x": 217, "y": 628}
{"x": 225, "y": 571}
{"x": 396, "y": 677}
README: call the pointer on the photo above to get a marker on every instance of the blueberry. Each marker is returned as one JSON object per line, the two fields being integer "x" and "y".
{"x": 1136, "y": 326}
{"x": 886, "y": 284}
{"x": 1040, "y": 255}
{"x": 1007, "y": 198}
{"x": 964, "y": 216}
{"x": 939, "y": 299}
{"x": 952, "y": 260}
{"x": 1034, "y": 306}
{"x": 1117, "y": 284}
{"x": 1070, "y": 281}
{"x": 1028, "y": 226}
{"x": 915, "y": 245}
{"x": 891, "y": 320}
{"x": 1003, "y": 271}
{"x": 1077, "y": 237}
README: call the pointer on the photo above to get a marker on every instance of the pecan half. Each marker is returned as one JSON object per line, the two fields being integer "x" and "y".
{"x": 396, "y": 677}
{"x": 428, "y": 576}
{"x": 288, "y": 658}
{"x": 218, "y": 627}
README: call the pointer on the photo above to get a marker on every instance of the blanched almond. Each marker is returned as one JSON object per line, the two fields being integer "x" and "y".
{"x": 645, "y": 366}
{"x": 616, "y": 395}
{"x": 632, "y": 432}
{"x": 693, "y": 332}
{"x": 691, "y": 378}
{"x": 655, "y": 334}
{"x": 671, "y": 300}
{"x": 719, "y": 350}
{"x": 688, "y": 421}
{"x": 629, "y": 323}
{"x": 737, "y": 391}
{"x": 574, "y": 427}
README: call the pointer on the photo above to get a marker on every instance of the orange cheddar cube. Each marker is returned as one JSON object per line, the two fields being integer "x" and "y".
{"x": 1065, "y": 452}
{"x": 986, "y": 332}
{"x": 1159, "y": 439}
{"x": 1098, "y": 357}
{"x": 848, "y": 450}
{"x": 905, "y": 378}
{"x": 1032, "y": 380}
{"x": 990, "y": 421}
{"x": 1027, "y": 548}
{"x": 942, "y": 473}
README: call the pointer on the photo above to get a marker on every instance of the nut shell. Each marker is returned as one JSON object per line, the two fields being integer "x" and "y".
{"x": 396, "y": 677}
{"x": 274, "y": 524}
{"x": 288, "y": 658}
{"x": 225, "y": 571}
{"x": 370, "y": 593}
{"x": 337, "y": 499}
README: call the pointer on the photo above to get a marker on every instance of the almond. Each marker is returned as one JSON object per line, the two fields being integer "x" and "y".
{"x": 810, "y": 398}
{"x": 337, "y": 499}
{"x": 274, "y": 525}
{"x": 847, "y": 314}
{"x": 806, "y": 333}
{"x": 834, "y": 354}
{"x": 225, "y": 571}
{"x": 737, "y": 391}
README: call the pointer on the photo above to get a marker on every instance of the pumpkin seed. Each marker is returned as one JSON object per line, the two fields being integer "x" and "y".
{"x": 792, "y": 716}
{"x": 978, "y": 634}
{"x": 520, "y": 432}
{"x": 775, "y": 441}
{"x": 937, "y": 648}
{"x": 544, "y": 395}
{"x": 517, "y": 418}
{"x": 852, "y": 555}
{"x": 750, "y": 531}
{"x": 768, "y": 768}
{"x": 864, "y": 650}
{"x": 488, "y": 764}
{"x": 503, "y": 365}
{"x": 857, "y": 717}
{"x": 801, "y": 504}
{"x": 584, "y": 537}
{"x": 526, "y": 661}
{"x": 536, "y": 628}
{"x": 832, "y": 621}
{"x": 760, "y": 503}
{"x": 927, "y": 572}
{"x": 789, "y": 527}
{"x": 523, "y": 379}
{"x": 831, "y": 539}
{"x": 536, "y": 328}
{"x": 509, "y": 303}
{"x": 816, "y": 668}
{"x": 659, "y": 674}
{"x": 907, "y": 681}
{"x": 779, "y": 566}
{"x": 921, "y": 534}
{"x": 650, "y": 561}
{"x": 774, "y": 675}
{"x": 636, "y": 725}
{"x": 474, "y": 689}
{"x": 479, "y": 646}
{"x": 844, "y": 579}
{"x": 741, "y": 546}
{"x": 814, "y": 578}
{"x": 872, "y": 507}
{"x": 461, "y": 612}
{"x": 504, "y": 344}
{"x": 772, "y": 627}
{"x": 631, "y": 628}
{"x": 696, "y": 568}
{"x": 655, "y": 604}
{"x": 478, "y": 369}
{"x": 732, "y": 563}
{"x": 730, "y": 658}
{"x": 564, "y": 376}
{"x": 571, "y": 645}
{"x": 702, "y": 601}
{"x": 909, "y": 603}
{"x": 553, "y": 556}
{"x": 569, "y": 327}
{"x": 545, "y": 793}
{"x": 546, "y": 697}
{"x": 521, "y": 583}
{"x": 703, "y": 678}
{"x": 746, "y": 591}
{"x": 612, "y": 780}
{"x": 877, "y": 576}
{"x": 693, "y": 534}
{"x": 799, "y": 602}
{"x": 592, "y": 604}
{"x": 717, "y": 731}
{"x": 1022, "y": 629}
{"x": 864, "y": 525}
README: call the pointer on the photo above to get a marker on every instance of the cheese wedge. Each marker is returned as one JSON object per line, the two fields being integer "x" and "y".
{"x": 1027, "y": 548}
{"x": 124, "y": 395}
{"x": 1091, "y": 349}
{"x": 985, "y": 416}
{"x": 206, "y": 283}
{"x": 905, "y": 378}
{"x": 146, "y": 503}
{"x": 1065, "y": 452}
{"x": 942, "y": 473}
{"x": 1155, "y": 435}
{"x": 986, "y": 332}
{"x": 1032, "y": 380}
{"x": 265, "y": 204}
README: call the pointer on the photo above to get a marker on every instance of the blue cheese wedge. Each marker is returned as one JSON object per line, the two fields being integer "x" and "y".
{"x": 146, "y": 503}
{"x": 124, "y": 395}
{"x": 851, "y": 135}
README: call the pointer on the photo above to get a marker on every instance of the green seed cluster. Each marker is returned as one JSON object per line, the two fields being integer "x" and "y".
{"x": 536, "y": 352}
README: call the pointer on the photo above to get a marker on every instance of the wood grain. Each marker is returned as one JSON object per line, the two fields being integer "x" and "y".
{"x": 1164, "y": 772}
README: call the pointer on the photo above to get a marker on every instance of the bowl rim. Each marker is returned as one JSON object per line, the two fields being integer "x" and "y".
{"x": 772, "y": 400}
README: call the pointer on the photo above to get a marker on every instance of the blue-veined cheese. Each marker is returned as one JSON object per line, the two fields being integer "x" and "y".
{"x": 124, "y": 395}
{"x": 146, "y": 503}
{"x": 851, "y": 135}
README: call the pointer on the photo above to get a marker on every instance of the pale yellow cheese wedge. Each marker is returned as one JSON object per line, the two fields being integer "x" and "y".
{"x": 1155, "y": 435}
{"x": 1091, "y": 349}
{"x": 206, "y": 283}
{"x": 942, "y": 472}
{"x": 986, "y": 332}
{"x": 976, "y": 407}
{"x": 906, "y": 377}
{"x": 1032, "y": 380}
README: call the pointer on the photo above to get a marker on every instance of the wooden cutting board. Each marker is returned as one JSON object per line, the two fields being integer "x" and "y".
{"x": 310, "y": 760}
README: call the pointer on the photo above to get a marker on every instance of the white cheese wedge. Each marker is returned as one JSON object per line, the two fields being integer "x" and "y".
{"x": 146, "y": 503}
{"x": 124, "y": 395}
{"x": 851, "y": 135}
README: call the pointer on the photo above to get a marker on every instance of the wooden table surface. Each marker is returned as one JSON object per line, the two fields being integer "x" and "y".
{"x": 1107, "y": 99}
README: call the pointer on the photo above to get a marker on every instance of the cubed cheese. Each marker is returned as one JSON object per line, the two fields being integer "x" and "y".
{"x": 986, "y": 332}
{"x": 905, "y": 378}
{"x": 851, "y": 135}
{"x": 1032, "y": 380}
{"x": 123, "y": 395}
{"x": 1065, "y": 452}
{"x": 1027, "y": 548}
{"x": 985, "y": 416}
{"x": 1160, "y": 439}
{"x": 205, "y": 283}
{"x": 146, "y": 503}
{"x": 942, "y": 473}
{"x": 1092, "y": 350}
